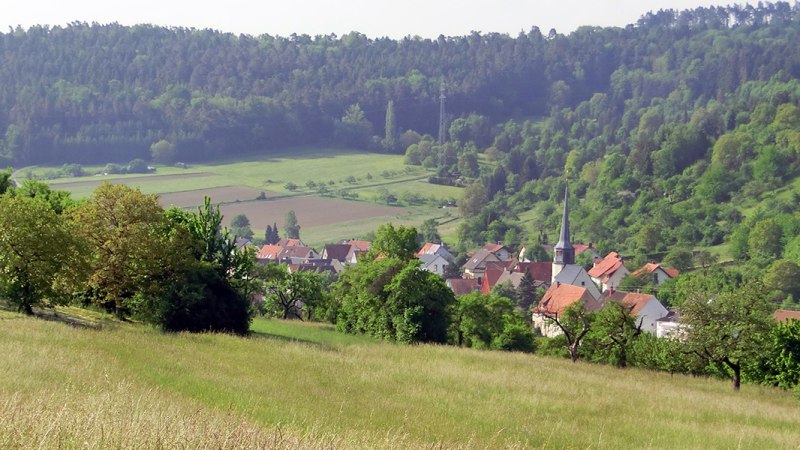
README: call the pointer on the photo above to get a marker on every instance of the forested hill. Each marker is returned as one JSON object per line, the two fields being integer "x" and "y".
{"x": 103, "y": 93}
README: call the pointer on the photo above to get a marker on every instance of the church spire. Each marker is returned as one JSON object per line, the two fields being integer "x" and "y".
{"x": 564, "y": 253}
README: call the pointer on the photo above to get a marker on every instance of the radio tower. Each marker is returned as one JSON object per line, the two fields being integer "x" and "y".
{"x": 442, "y": 120}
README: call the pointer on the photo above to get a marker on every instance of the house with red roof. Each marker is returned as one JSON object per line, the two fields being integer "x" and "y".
{"x": 783, "y": 315}
{"x": 608, "y": 272}
{"x": 357, "y": 249}
{"x": 430, "y": 248}
{"x": 270, "y": 253}
{"x": 476, "y": 264}
{"x": 555, "y": 301}
{"x": 499, "y": 250}
{"x": 336, "y": 252}
{"x": 462, "y": 286}
{"x": 645, "y": 308}
{"x": 659, "y": 273}
{"x": 286, "y": 242}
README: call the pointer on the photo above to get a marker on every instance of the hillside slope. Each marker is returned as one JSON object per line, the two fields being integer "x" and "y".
{"x": 297, "y": 385}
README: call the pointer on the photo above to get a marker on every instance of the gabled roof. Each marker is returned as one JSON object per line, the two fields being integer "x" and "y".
{"x": 560, "y": 296}
{"x": 428, "y": 249}
{"x": 461, "y": 286}
{"x": 494, "y": 248}
{"x": 539, "y": 270}
{"x": 634, "y": 301}
{"x": 579, "y": 248}
{"x": 652, "y": 267}
{"x": 297, "y": 252}
{"x": 337, "y": 251}
{"x": 362, "y": 246}
{"x": 479, "y": 259}
{"x": 569, "y": 274}
{"x": 783, "y": 315}
{"x": 492, "y": 273}
{"x": 428, "y": 259}
{"x": 270, "y": 252}
{"x": 286, "y": 242}
{"x": 610, "y": 264}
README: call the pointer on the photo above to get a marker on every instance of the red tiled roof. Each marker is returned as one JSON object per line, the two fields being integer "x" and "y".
{"x": 672, "y": 273}
{"x": 560, "y": 296}
{"x": 632, "y": 300}
{"x": 297, "y": 252}
{"x": 286, "y": 242}
{"x": 539, "y": 270}
{"x": 362, "y": 246}
{"x": 493, "y": 248}
{"x": 652, "y": 267}
{"x": 425, "y": 249}
{"x": 270, "y": 252}
{"x": 580, "y": 248}
{"x": 783, "y": 315}
{"x": 607, "y": 266}
{"x": 462, "y": 286}
{"x": 490, "y": 276}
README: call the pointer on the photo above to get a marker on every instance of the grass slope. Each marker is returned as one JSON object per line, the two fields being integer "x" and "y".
{"x": 304, "y": 385}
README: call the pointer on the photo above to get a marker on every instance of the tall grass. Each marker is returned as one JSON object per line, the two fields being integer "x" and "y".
{"x": 301, "y": 385}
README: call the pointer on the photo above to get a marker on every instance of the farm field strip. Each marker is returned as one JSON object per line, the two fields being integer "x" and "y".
{"x": 310, "y": 211}
{"x": 226, "y": 194}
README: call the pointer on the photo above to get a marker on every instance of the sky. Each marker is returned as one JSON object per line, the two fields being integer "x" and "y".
{"x": 374, "y": 18}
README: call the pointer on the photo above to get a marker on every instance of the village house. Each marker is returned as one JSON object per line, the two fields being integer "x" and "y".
{"x": 430, "y": 248}
{"x": 553, "y": 304}
{"x": 669, "y": 326}
{"x": 783, "y": 315}
{"x": 357, "y": 249}
{"x": 462, "y": 286}
{"x": 659, "y": 273}
{"x": 476, "y": 265}
{"x": 499, "y": 250}
{"x": 645, "y": 308}
{"x": 609, "y": 272}
{"x": 434, "y": 263}
{"x": 336, "y": 252}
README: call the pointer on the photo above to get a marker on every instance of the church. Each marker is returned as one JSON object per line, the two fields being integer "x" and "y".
{"x": 570, "y": 282}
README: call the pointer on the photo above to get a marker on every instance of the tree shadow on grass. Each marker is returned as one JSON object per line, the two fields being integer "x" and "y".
{"x": 281, "y": 338}
{"x": 74, "y": 320}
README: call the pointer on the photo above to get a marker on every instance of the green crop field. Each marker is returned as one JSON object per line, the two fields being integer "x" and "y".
{"x": 296, "y": 385}
{"x": 236, "y": 184}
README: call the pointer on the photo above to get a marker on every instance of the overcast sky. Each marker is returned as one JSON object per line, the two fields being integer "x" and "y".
{"x": 398, "y": 18}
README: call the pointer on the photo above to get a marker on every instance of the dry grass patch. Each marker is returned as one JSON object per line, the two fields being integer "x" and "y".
{"x": 292, "y": 385}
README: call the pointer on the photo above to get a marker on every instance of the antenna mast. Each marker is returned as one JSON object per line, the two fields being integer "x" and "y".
{"x": 442, "y": 120}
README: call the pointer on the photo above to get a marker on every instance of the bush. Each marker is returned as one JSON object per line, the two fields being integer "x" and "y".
{"x": 137, "y": 166}
{"x": 204, "y": 302}
{"x": 516, "y": 337}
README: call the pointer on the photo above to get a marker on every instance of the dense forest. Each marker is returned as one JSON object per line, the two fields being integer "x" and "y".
{"x": 105, "y": 93}
{"x": 662, "y": 128}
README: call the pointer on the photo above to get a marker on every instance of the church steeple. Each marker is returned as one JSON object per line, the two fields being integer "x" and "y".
{"x": 564, "y": 253}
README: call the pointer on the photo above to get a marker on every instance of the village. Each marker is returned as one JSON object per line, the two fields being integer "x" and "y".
{"x": 561, "y": 282}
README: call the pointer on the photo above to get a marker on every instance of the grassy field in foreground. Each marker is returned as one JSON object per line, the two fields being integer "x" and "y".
{"x": 294, "y": 385}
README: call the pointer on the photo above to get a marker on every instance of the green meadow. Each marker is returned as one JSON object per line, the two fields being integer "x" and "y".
{"x": 365, "y": 175}
{"x": 297, "y": 385}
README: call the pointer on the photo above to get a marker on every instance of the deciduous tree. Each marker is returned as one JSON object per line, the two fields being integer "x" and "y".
{"x": 729, "y": 329}
{"x": 41, "y": 259}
